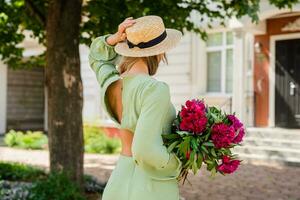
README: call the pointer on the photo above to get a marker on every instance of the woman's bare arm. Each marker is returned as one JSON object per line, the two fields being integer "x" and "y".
{"x": 114, "y": 90}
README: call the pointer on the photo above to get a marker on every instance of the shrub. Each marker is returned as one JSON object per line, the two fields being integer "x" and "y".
{"x": 57, "y": 186}
{"x": 92, "y": 185}
{"x": 12, "y": 138}
{"x": 20, "y": 172}
{"x": 14, "y": 190}
{"x": 28, "y": 140}
{"x": 26, "y": 182}
{"x": 95, "y": 141}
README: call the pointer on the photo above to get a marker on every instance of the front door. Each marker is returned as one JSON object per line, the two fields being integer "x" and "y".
{"x": 287, "y": 83}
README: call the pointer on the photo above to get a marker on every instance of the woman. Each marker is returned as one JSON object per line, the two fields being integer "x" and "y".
{"x": 140, "y": 106}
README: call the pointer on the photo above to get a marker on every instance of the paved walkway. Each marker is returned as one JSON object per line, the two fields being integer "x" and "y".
{"x": 252, "y": 181}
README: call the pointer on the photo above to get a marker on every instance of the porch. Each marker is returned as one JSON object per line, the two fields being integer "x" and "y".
{"x": 271, "y": 145}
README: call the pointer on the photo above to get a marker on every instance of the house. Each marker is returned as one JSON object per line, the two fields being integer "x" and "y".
{"x": 250, "y": 69}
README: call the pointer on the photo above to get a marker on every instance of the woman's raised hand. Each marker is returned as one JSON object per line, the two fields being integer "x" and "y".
{"x": 120, "y": 35}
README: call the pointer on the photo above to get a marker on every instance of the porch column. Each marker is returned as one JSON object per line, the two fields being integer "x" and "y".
{"x": 239, "y": 77}
{"x": 3, "y": 92}
{"x": 198, "y": 66}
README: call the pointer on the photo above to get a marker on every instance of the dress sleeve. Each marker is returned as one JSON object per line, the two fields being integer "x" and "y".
{"x": 102, "y": 60}
{"x": 148, "y": 149}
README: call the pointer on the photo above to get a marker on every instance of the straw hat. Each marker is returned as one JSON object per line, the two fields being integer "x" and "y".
{"x": 147, "y": 37}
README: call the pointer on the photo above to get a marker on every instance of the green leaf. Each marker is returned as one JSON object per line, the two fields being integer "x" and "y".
{"x": 172, "y": 146}
{"x": 184, "y": 133}
{"x": 204, "y": 149}
{"x": 199, "y": 160}
{"x": 209, "y": 144}
{"x": 208, "y": 134}
{"x": 184, "y": 146}
{"x": 194, "y": 143}
{"x": 214, "y": 116}
{"x": 195, "y": 165}
{"x": 170, "y": 136}
{"x": 192, "y": 156}
{"x": 194, "y": 168}
{"x": 212, "y": 151}
{"x": 209, "y": 167}
{"x": 185, "y": 165}
{"x": 213, "y": 172}
{"x": 209, "y": 162}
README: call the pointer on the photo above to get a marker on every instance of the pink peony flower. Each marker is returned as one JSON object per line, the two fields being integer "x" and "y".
{"x": 228, "y": 166}
{"x": 239, "y": 137}
{"x": 193, "y": 116}
{"x": 222, "y": 135}
{"x": 238, "y": 127}
{"x": 235, "y": 121}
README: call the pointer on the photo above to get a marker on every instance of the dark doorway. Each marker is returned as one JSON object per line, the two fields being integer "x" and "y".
{"x": 287, "y": 83}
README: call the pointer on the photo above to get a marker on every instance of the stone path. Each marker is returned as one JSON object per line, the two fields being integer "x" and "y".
{"x": 255, "y": 181}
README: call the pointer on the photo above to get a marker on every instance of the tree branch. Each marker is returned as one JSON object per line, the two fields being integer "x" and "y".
{"x": 34, "y": 11}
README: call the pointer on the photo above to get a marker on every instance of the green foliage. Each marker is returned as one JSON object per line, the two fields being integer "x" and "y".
{"x": 92, "y": 185}
{"x": 20, "y": 172}
{"x": 9, "y": 26}
{"x": 16, "y": 16}
{"x": 175, "y": 13}
{"x": 27, "y": 182}
{"x": 11, "y": 190}
{"x": 103, "y": 16}
{"x": 28, "y": 140}
{"x": 215, "y": 115}
{"x": 12, "y": 138}
{"x": 284, "y": 3}
{"x": 95, "y": 141}
{"x": 57, "y": 186}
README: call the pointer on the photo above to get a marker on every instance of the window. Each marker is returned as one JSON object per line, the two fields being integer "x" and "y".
{"x": 219, "y": 52}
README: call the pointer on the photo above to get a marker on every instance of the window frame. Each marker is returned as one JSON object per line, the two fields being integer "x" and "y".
{"x": 223, "y": 49}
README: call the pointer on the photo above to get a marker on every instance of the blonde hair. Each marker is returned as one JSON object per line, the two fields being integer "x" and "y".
{"x": 152, "y": 63}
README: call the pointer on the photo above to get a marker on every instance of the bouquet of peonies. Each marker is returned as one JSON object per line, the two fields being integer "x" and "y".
{"x": 203, "y": 134}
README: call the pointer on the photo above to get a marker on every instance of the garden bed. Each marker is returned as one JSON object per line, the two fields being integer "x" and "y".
{"x": 25, "y": 182}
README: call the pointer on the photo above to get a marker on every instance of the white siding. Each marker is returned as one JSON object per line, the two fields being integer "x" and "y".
{"x": 3, "y": 87}
{"x": 178, "y": 71}
{"x": 91, "y": 96}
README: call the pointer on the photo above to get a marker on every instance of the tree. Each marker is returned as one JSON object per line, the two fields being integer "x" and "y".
{"x": 64, "y": 85}
{"x": 62, "y": 25}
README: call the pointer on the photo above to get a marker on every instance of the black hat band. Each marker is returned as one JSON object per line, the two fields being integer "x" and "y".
{"x": 150, "y": 43}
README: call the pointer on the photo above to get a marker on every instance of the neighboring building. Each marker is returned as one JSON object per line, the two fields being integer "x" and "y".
{"x": 22, "y": 94}
{"x": 250, "y": 69}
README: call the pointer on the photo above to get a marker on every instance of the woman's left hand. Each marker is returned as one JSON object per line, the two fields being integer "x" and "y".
{"x": 120, "y": 35}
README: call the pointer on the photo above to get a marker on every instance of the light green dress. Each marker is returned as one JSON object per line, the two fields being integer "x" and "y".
{"x": 151, "y": 172}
